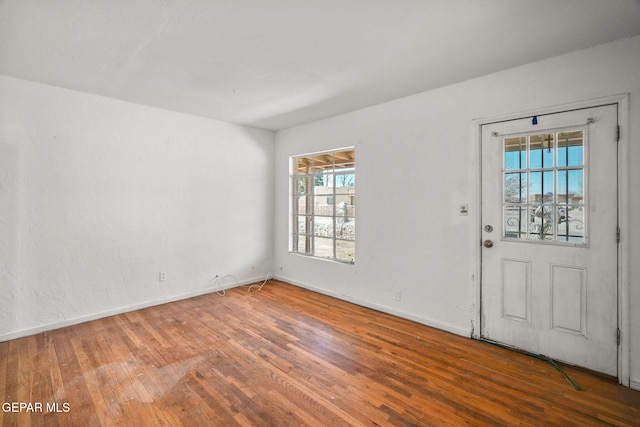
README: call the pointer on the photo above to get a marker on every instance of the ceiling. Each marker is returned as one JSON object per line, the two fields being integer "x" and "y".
{"x": 274, "y": 64}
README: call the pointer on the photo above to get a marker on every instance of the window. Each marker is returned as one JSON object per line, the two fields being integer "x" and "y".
{"x": 323, "y": 210}
{"x": 544, "y": 188}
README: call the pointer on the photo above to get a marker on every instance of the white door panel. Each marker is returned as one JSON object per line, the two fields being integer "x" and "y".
{"x": 549, "y": 272}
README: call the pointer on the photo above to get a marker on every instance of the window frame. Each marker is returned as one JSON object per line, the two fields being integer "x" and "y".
{"x": 312, "y": 221}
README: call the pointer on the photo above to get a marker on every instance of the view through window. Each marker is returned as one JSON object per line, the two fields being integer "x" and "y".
{"x": 544, "y": 187}
{"x": 323, "y": 205}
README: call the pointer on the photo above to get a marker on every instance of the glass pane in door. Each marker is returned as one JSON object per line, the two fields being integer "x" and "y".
{"x": 543, "y": 187}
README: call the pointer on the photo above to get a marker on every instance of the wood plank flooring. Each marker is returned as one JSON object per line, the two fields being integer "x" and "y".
{"x": 284, "y": 356}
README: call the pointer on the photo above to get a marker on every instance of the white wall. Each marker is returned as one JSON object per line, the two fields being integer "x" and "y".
{"x": 416, "y": 164}
{"x": 97, "y": 196}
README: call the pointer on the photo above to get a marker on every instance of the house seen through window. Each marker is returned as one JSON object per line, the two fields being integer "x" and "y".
{"x": 323, "y": 205}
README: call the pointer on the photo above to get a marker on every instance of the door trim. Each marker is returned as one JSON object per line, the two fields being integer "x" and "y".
{"x": 624, "y": 215}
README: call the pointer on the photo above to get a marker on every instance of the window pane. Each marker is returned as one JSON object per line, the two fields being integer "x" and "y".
{"x": 541, "y": 187}
{"x": 515, "y": 222}
{"x": 575, "y": 185}
{"x": 570, "y": 186}
{"x": 344, "y": 159}
{"x": 515, "y": 153}
{"x": 300, "y": 224}
{"x": 346, "y": 250}
{"x": 571, "y": 224}
{"x": 301, "y": 203}
{"x": 323, "y": 205}
{"x": 322, "y": 162}
{"x": 541, "y": 151}
{"x": 322, "y": 179}
{"x": 542, "y": 223}
{"x": 323, "y": 247}
{"x": 563, "y": 223}
{"x": 345, "y": 183}
{"x": 302, "y": 165}
{"x": 571, "y": 148}
{"x": 563, "y": 180}
{"x": 302, "y": 242}
{"x": 323, "y": 226}
{"x": 515, "y": 187}
{"x": 300, "y": 185}
{"x": 346, "y": 230}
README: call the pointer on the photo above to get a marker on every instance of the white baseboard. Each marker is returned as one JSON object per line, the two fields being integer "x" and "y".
{"x": 120, "y": 310}
{"x": 634, "y": 385}
{"x": 383, "y": 309}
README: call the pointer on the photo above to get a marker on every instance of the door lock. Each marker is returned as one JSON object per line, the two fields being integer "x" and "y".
{"x": 488, "y": 228}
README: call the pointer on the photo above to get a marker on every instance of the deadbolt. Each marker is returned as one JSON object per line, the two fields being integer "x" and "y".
{"x": 487, "y": 243}
{"x": 488, "y": 228}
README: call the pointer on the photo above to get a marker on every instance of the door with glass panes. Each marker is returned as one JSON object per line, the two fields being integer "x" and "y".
{"x": 549, "y": 218}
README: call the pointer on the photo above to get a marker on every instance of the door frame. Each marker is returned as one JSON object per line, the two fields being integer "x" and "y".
{"x": 624, "y": 214}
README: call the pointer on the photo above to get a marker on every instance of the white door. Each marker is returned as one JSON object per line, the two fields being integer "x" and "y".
{"x": 549, "y": 218}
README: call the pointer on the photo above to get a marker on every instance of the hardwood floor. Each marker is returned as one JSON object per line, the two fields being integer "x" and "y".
{"x": 285, "y": 356}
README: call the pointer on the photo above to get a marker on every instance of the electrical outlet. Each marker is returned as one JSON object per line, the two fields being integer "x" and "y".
{"x": 162, "y": 276}
{"x": 396, "y": 296}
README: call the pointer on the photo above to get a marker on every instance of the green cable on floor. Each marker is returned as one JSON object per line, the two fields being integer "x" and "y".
{"x": 539, "y": 357}
{"x": 559, "y": 368}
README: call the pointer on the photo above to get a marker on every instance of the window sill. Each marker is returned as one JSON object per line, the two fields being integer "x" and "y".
{"x": 334, "y": 261}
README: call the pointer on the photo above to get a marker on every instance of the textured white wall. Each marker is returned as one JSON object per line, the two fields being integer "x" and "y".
{"x": 97, "y": 196}
{"x": 416, "y": 164}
